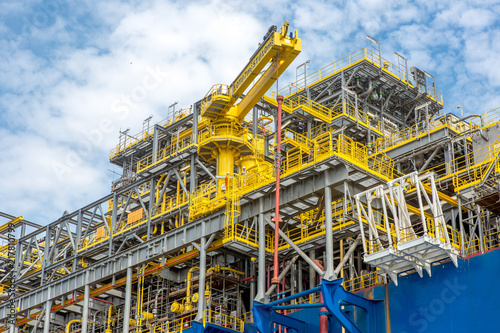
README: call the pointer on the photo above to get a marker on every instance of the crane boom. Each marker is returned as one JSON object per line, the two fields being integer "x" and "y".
{"x": 278, "y": 49}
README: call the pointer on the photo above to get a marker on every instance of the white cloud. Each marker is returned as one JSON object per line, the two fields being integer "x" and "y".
{"x": 60, "y": 80}
{"x": 53, "y": 155}
{"x": 477, "y": 18}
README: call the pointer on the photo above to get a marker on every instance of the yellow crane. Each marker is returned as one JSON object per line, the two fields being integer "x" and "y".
{"x": 226, "y": 106}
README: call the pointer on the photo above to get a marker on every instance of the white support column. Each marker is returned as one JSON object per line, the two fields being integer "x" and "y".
{"x": 261, "y": 277}
{"x": 329, "y": 272}
{"x": 312, "y": 272}
{"x": 85, "y": 313}
{"x": 46, "y": 324}
{"x": 128, "y": 301}
{"x": 202, "y": 248}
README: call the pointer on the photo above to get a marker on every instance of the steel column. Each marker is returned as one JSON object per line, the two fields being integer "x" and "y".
{"x": 348, "y": 254}
{"x": 195, "y": 123}
{"x": 192, "y": 174}
{"x": 282, "y": 274}
{"x": 298, "y": 250}
{"x": 128, "y": 301}
{"x": 480, "y": 228}
{"x": 156, "y": 134}
{"x": 301, "y": 285}
{"x": 329, "y": 272}
{"x": 252, "y": 282}
{"x": 312, "y": 272}
{"x": 201, "y": 282}
{"x": 461, "y": 225}
{"x": 261, "y": 278}
{"x": 46, "y": 325}
{"x": 85, "y": 313}
{"x": 255, "y": 120}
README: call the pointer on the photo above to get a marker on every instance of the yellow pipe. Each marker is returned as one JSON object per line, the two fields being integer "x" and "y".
{"x": 232, "y": 270}
{"x": 218, "y": 268}
{"x": 72, "y": 322}
{"x": 269, "y": 120}
{"x": 188, "y": 305}
{"x": 178, "y": 191}
{"x": 111, "y": 311}
{"x": 144, "y": 238}
{"x": 146, "y": 316}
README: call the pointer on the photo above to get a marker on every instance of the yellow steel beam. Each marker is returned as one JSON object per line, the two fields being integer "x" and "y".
{"x": 11, "y": 223}
{"x": 287, "y": 49}
{"x": 442, "y": 196}
{"x": 96, "y": 292}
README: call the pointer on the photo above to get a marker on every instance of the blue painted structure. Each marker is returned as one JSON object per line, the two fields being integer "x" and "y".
{"x": 335, "y": 297}
{"x": 209, "y": 328}
{"x": 463, "y": 299}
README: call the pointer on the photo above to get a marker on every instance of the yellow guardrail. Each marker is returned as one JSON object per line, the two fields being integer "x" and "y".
{"x": 242, "y": 233}
{"x": 215, "y": 100}
{"x": 489, "y": 118}
{"x": 165, "y": 153}
{"x": 388, "y": 142}
{"x": 362, "y": 282}
{"x": 399, "y": 72}
{"x": 296, "y": 139}
{"x": 327, "y": 114}
{"x": 132, "y": 140}
{"x": 342, "y": 146}
{"x": 132, "y": 220}
{"x": 247, "y": 317}
{"x": 471, "y": 246}
{"x": 30, "y": 259}
{"x": 492, "y": 240}
{"x": 223, "y": 320}
{"x": 178, "y": 325}
{"x": 471, "y": 169}
{"x": 468, "y": 170}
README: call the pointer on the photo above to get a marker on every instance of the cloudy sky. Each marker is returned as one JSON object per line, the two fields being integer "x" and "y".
{"x": 73, "y": 73}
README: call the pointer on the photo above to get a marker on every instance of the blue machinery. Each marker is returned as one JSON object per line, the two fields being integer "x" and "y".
{"x": 337, "y": 302}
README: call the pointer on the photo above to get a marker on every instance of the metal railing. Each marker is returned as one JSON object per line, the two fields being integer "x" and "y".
{"x": 337, "y": 66}
{"x": 163, "y": 154}
{"x": 223, "y": 320}
{"x": 131, "y": 140}
{"x": 362, "y": 282}
{"x": 217, "y": 97}
{"x": 411, "y": 133}
{"x": 247, "y": 317}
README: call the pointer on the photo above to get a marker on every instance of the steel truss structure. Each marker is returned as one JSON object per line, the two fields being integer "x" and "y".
{"x": 375, "y": 183}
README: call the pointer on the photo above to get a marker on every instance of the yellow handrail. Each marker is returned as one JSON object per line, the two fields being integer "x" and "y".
{"x": 221, "y": 319}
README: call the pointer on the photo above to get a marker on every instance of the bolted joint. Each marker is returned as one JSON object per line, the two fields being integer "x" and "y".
{"x": 275, "y": 280}
{"x": 280, "y": 98}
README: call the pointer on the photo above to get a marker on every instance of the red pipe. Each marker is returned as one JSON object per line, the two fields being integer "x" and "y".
{"x": 323, "y": 318}
{"x": 102, "y": 300}
{"x": 268, "y": 281}
{"x": 277, "y": 219}
{"x": 248, "y": 278}
{"x": 284, "y": 288}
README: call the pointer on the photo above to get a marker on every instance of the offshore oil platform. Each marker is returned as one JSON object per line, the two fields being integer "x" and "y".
{"x": 342, "y": 202}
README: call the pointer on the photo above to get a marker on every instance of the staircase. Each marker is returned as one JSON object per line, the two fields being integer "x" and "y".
{"x": 297, "y": 140}
{"x": 303, "y": 103}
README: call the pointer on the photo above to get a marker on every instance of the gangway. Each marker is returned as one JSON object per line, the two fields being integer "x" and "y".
{"x": 416, "y": 236}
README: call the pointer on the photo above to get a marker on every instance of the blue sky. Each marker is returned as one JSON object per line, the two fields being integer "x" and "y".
{"x": 73, "y": 73}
